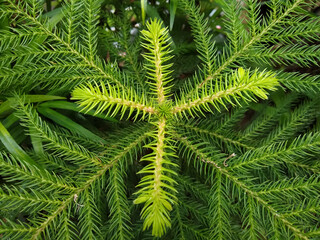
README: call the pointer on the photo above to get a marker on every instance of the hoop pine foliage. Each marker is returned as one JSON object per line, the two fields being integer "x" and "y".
{"x": 91, "y": 150}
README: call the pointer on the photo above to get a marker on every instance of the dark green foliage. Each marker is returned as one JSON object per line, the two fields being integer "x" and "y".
{"x": 114, "y": 127}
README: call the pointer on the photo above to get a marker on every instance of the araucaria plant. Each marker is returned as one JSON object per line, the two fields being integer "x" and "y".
{"x": 228, "y": 153}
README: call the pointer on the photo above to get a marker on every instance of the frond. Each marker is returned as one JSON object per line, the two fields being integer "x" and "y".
{"x": 237, "y": 34}
{"x": 18, "y": 198}
{"x": 119, "y": 227}
{"x": 301, "y": 148}
{"x": 203, "y": 39}
{"x": 240, "y": 86}
{"x": 207, "y": 153}
{"x": 300, "y": 119}
{"x": 157, "y": 190}
{"x": 196, "y": 153}
{"x": 13, "y": 170}
{"x": 89, "y": 215}
{"x": 156, "y": 42}
{"x": 301, "y": 83}
{"x": 88, "y": 27}
{"x": 230, "y": 56}
{"x": 209, "y": 132}
{"x": 12, "y": 230}
{"x": 66, "y": 229}
{"x": 113, "y": 100}
{"x": 51, "y": 57}
{"x": 219, "y": 213}
{"x": 261, "y": 126}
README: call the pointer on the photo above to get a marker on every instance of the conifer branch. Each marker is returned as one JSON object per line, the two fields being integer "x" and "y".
{"x": 86, "y": 185}
{"x": 16, "y": 231}
{"x": 295, "y": 186}
{"x": 226, "y": 62}
{"x": 298, "y": 120}
{"x": 118, "y": 204}
{"x": 267, "y": 120}
{"x": 250, "y": 172}
{"x": 267, "y": 206}
{"x": 112, "y": 99}
{"x": 203, "y": 38}
{"x": 130, "y": 48}
{"x": 67, "y": 228}
{"x": 31, "y": 175}
{"x": 240, "y": 86}
{"x": 157, "y": 44}
{"x": 219, "y": 137}
{"x": 178, "y": 223}
{"x": 74, "y": 152}
{"x": 243, "y": 187}
{"x": 191, "y": 150}
{"x": 218, "y": 209}
{"x": 156, "y": 185}
{"x": 91, "y": 18}
{"x": 90, "y": 62}
{"x": 71, "y": 20}
{"x": 14, "y": 197}
{"x": 279, "y": 152}
{"x": 89, "y": 215}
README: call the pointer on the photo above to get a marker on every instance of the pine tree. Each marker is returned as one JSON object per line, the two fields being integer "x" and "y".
{"x": 230, "y": 152}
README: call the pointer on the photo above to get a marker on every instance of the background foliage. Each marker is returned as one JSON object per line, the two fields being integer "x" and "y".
{"x": 159, "y": 119}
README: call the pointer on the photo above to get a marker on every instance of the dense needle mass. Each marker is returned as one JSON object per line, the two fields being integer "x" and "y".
{"x": 137, "y": 152}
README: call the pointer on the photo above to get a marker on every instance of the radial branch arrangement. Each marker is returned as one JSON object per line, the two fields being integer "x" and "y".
{"x": 157, "y": 188}
{"x": 228, "y": 152}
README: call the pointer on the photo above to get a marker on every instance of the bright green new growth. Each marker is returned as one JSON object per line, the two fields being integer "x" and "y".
{"x": 230, "y": 152}
{"x": 157, "y": 186}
